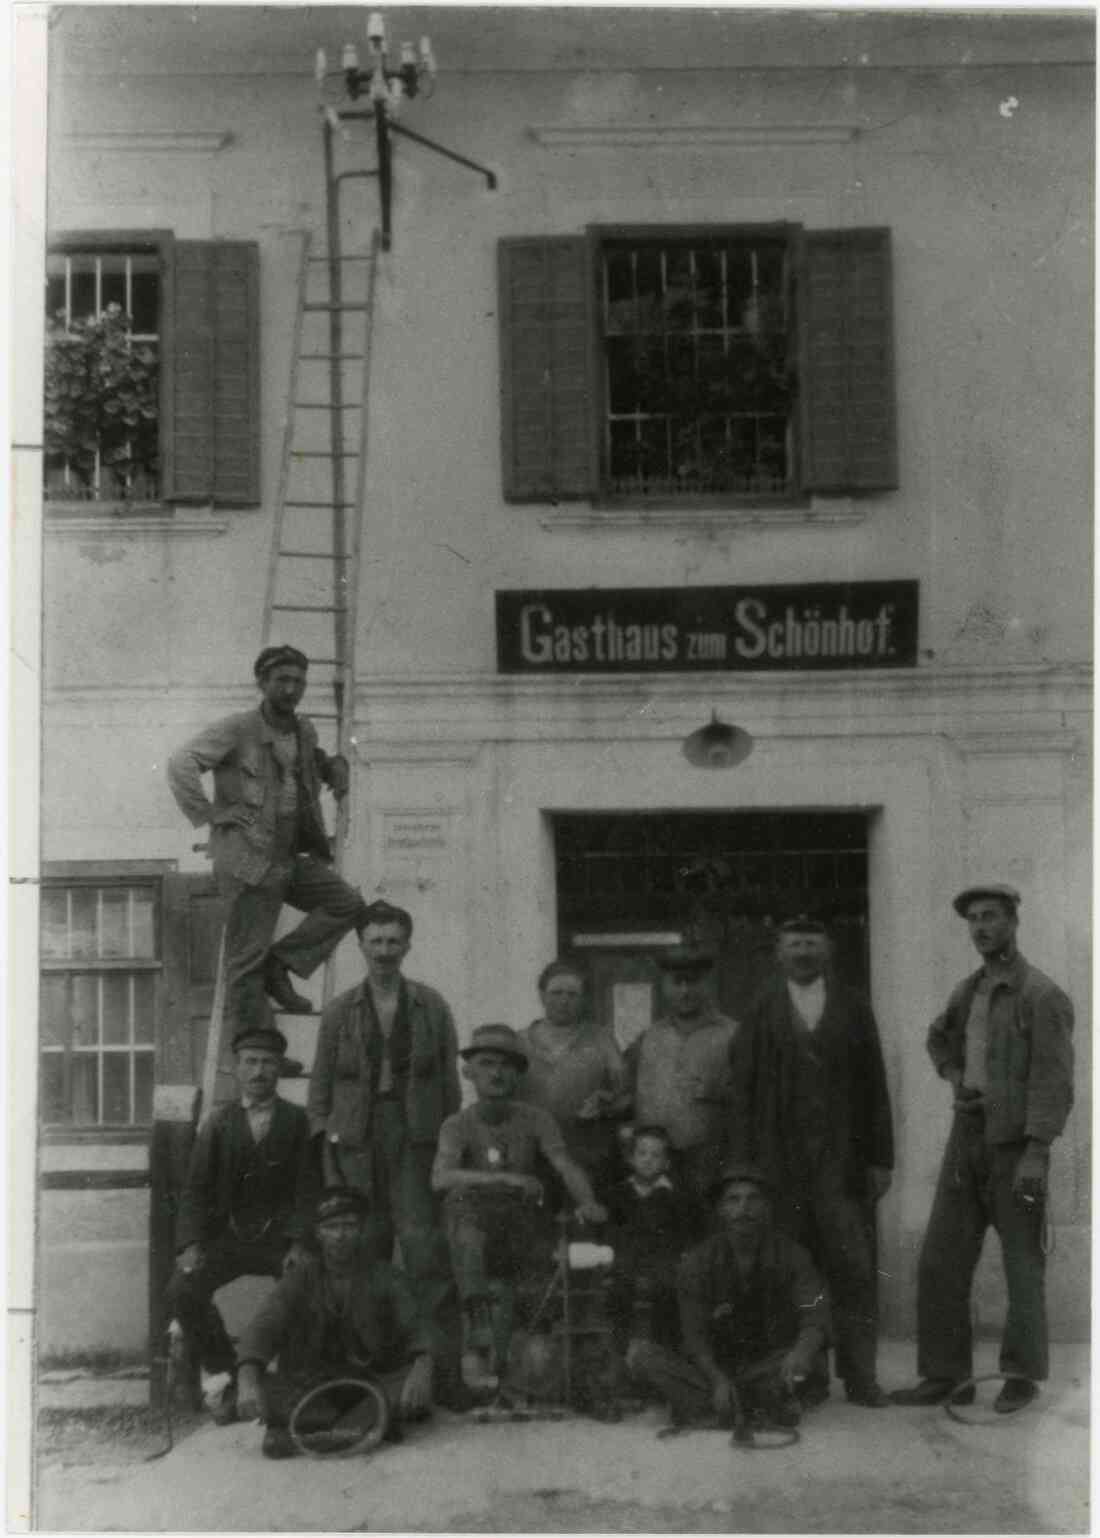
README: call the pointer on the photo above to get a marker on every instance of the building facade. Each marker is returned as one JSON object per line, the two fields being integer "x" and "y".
{"x": 878, "y": 227}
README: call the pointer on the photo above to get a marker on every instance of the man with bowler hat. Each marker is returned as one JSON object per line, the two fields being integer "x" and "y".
{"x": 679, "y": 1067}
{"x": 1004, "y": 1045}
{"x": 245, "y": 1208}
{"x": 267, "y": 836}
{"x": 753, "y": 1314}
{"x": 811, "y": 1105}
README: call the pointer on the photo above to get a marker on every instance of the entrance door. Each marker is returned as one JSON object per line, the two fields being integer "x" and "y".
{"x": 633, "y": 884}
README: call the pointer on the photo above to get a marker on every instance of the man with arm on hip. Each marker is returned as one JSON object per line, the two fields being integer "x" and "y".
{"x": 1004, "y": 1045}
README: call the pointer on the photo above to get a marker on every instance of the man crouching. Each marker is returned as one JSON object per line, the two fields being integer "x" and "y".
{"x": 752, "y": 1311}
{"x": 348, "y": 1316}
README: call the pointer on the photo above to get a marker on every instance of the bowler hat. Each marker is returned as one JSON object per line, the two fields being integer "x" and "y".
{"x": 751, "y": 1173}
{"x": 334, "y": 1201}
{"x": 265, "y": 1037}
{"x": 497, "y": 1038}
{"x": 686, "y": 958}
{"x": 999, "y": 889}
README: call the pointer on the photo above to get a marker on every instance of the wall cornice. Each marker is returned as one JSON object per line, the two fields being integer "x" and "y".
{"x": 689, "y": 135}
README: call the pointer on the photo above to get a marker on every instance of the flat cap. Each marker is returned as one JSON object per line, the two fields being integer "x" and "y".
{"x": 750, "y": 1173}
{"x": 802, "y": 924}
{"x": 998, "y": 889}
{"x": 497, "y": 1038}
{"x": 268, "y": 1038}
{"x": 685, "y": 958}
{"x": 272, "y": 656}
{"x": 335, "y": 1201}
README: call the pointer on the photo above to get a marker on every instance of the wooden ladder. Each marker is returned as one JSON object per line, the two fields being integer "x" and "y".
{"x": 312, "y": 588}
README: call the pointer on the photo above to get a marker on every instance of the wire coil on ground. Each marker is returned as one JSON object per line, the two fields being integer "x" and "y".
{"x": 343, "y": 1434}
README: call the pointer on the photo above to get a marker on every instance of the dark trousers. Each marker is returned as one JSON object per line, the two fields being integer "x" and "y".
{"x": 396, "y": 1176}
{"x": 975, "y": 1191}
{"x": 642, "y": 1306}
{"x": 687, "y": 1390}
{"x": 304, "y": 882}
{"x": 832, "y": 1225}
{"x": 190, "y": 1295}
{"x": 493, "y": 1236}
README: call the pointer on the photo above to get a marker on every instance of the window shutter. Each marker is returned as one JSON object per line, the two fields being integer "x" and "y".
{"x": 191, "y": 925}
{"x": 848, "y": 436}
{"x": 546, "y": 369}
{"x": 212, "y": 399}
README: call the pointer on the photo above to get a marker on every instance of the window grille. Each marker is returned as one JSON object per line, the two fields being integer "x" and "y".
{"x": 698, "y": 384}
{"x": 100, "y": 966}
{"x": 103, "y": 324}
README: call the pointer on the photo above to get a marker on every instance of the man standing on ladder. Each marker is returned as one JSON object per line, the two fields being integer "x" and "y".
{"x": 267, "y": 838}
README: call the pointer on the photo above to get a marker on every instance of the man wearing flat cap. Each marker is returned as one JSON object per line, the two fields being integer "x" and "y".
{"x": 679, "y": 1067}
{"x": 753, "y": 1313}
{"x": 245, "y": 1207}
{"x": 811, "y": 1105}
{"x": 349, "y": 1315}
{"x": 267, "y": 836}
{"x": 1004, "y": 1045}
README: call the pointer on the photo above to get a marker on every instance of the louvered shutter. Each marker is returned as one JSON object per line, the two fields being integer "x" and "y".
{"x": 848, "y": 428}
{"x": 212, "y": 397}
{"x": 192, "y": 916}
{"x": 546, "y": 369}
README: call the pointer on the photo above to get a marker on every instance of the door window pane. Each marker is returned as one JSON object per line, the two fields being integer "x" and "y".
{"x": 145, "y": 1000}
{"x": 143, "y": 941}
{"x": 143, "y": 1087}
{"x": 54, "y": 923}
{"x": 85, "y": 1009}
{"x": 53, "y": 1009}
{"x": 116, "y": 1087}
{"x": 85, "y": 1070}
{"x": 116, "y": 1007}
{"x": 83, "y": 923}
{"x": 51, "y": 1088}
{"x": 114, "y": 921}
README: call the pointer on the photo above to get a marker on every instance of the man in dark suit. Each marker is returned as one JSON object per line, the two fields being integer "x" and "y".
{"x": 812, "y": 1106}
{"x": 245, "y": 1208}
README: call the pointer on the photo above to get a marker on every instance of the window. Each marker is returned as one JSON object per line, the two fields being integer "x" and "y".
{"x": 102, "y": 374}
{"x": 152, "y": 370}
{"x": 100, "y": 966}
{"x": 664, "y": 365}
{"x": 698, "y": 381}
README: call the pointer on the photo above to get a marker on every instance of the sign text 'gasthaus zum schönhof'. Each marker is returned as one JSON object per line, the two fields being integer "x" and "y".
{"x": 818, "y": 626}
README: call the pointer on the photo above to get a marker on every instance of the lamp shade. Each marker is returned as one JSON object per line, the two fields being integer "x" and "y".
{"x": 717, "y": 745}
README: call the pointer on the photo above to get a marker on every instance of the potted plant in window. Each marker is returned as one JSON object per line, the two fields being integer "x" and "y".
{"x": 101, "y": 393}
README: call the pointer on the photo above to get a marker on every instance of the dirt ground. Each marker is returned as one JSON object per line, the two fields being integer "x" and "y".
{"x": 890, "y": 1471}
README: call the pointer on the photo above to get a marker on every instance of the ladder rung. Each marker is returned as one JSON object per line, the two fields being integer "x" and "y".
{"x": 312, "y": 555}
{"x": 357, "y": 304}
{"x": 329, "y": 506}
{"x": 327, "y": 406}
{"x": 310, "y": 608}
{"x": 324, "y": 454}
{"x": 321, "y": 357}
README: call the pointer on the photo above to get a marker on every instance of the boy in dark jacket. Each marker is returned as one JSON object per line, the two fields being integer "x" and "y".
{"x": 651, "y": 1222}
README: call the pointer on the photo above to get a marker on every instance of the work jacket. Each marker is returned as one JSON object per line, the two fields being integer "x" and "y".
{"x": 344, "y": 1075}
{"x": 681, "y": 1077}
{"x": 256, "y": 1192}
{"x": 784, "y": 1298}
{"x": 801, "y": 1095}
{"x": 1029, "y": 1053}
{"x": 380, "y": 1331}
{"x": 238, "y": 750}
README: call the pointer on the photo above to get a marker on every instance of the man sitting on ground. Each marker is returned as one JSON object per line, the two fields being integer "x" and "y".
{"x": 484, "y": 1168}
{"x": 245, "y": 1207}
{"x": 753, "y": 1313}
{"x": 348, "y": 1316}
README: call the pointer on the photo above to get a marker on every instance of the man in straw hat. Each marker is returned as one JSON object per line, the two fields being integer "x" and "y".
{"x": 753, "y": 1313}
{"x": 245, "y": 1208}
{"x": 485, "y": 1168}
{"x": 267, "y": 835}
{"x": 1004, "y": 1045}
